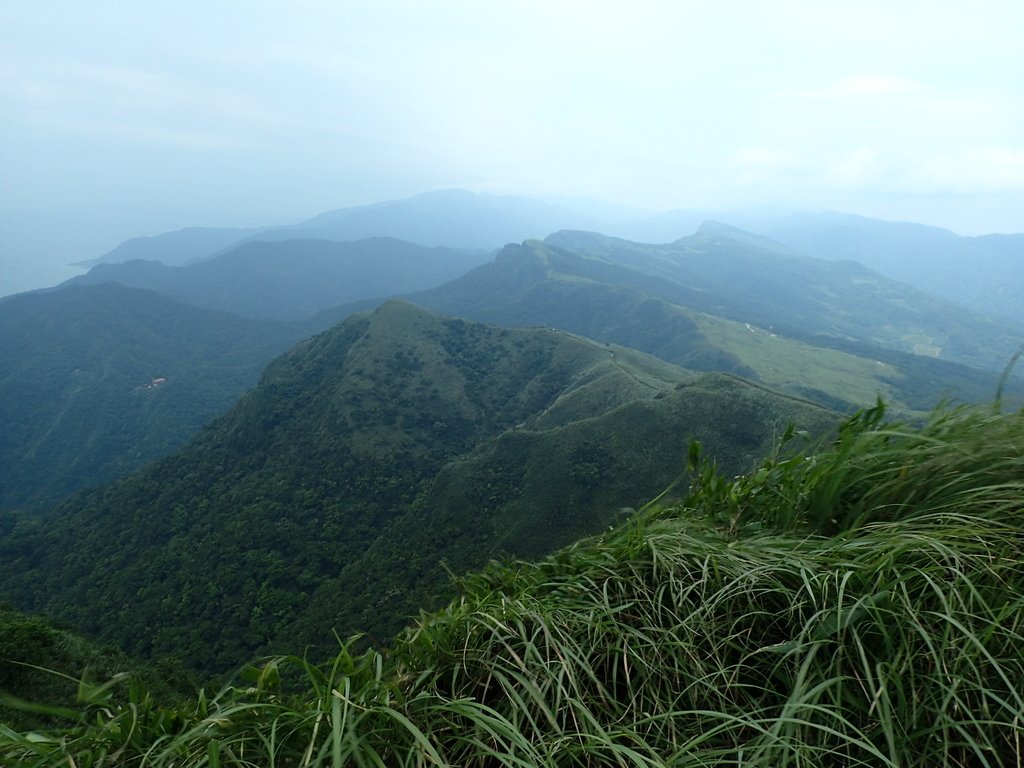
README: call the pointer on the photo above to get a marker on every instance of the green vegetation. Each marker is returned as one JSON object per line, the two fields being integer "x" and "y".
{"x": 690, "y": 303}
{"x": 77, "y": 402}
{"x": 45, "y": 669}
{"x": 845, "y": 375}
{"x": 74, "y": 410}
{"x": 795, "y": 366}
{"x": 730, "y": 273}
{"x": 534, "y": 284}
{"x": 859, "y": 605}
{"x": 365, "y": 458}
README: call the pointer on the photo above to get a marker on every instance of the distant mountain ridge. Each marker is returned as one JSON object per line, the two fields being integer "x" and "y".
{"x": 294, "y": 279}
{"x": 750, "y": 279}
{"x": 450, "y": 218}
{"x": 720, "y": 300}
{"x": 984, "y": 273}
{"x": 176, "y": 248}
{"x": 695, "y": 304}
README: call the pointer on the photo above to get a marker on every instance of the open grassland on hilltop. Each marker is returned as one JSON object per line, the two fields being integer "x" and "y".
{"x": 862, "y": 605}
{"x": 800, "y": 367}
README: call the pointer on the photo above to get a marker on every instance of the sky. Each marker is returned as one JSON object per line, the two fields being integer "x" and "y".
{"x": 120, "y": 119}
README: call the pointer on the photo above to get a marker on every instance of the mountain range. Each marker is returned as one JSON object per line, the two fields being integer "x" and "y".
{"x": 981, "y": 273}
{"x": 294, "y": 279}
{"x": 451, "y": 218}
{"x": 985, "y": 274}
{"x": 364, "y": 458}
{"x": 158, "y": 491}
{"x": 695, "y": 303}
{"x": 719, "y": 300}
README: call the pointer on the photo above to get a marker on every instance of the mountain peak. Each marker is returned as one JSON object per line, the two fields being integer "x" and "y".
{"x": 398, "y": 312}
{"x": 717, "y": 229}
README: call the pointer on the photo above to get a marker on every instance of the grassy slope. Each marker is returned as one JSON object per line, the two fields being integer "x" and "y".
{"x": 750, "y": 279}
{"x": 799, "y": 367}
{"x": 609, "y": 300}
{"x": 46, "y": 668}
{"x": 859, "y": 606}
{"x": 538, "y": 486}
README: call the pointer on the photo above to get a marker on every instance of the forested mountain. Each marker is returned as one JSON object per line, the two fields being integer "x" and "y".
{"x": 295, "y": 278}
{"x": 328, "y": 496}
{"x": 95, "y": 381}
{"x": 722, "y": 300}
{"x": 535, "y": 284}
{"x": 697, "y": 304}
{"x": 984, "y": 273}
{"x": 78, "y": 402}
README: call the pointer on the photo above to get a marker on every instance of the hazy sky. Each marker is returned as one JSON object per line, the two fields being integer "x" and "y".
{"x": 120, "y": 119}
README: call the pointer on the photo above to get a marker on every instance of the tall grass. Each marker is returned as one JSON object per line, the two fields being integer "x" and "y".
{"x": 859, "y": 605}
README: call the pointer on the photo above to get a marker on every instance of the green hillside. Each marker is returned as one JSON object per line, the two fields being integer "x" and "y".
{"x": 858, "y": 605}
{"x": 533, "y": 284}
{"x": 95, "y": 381}
{"x": 64, "y": 427}
{"x": 751, "y": 279}
{"x": 608, "y": 300}
{"x": 365, "y": 456}
{"x": 46, "y": 670}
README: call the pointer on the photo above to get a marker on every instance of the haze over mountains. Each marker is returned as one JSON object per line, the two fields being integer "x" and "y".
{"x": 294, "y": 279}
{"x": 982, "y": 273}
{"x": 398, "y": 434}
{"x": 452, "y": 218}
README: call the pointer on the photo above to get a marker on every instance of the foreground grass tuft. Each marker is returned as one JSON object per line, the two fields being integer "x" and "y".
{"x": 862, "y": 605}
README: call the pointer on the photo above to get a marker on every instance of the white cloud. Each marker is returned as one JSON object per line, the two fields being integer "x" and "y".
{"x": 759, "y": 165}
{"x": 974, "y": 170}
{"x": 860, "y": 168}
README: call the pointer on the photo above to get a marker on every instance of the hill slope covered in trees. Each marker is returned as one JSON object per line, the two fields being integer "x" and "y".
{"x": 365, "y": 456}
{"x": 95, "y": 381}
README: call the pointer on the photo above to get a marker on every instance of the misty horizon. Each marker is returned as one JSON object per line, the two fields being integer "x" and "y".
{"x": 130, "y": 121}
